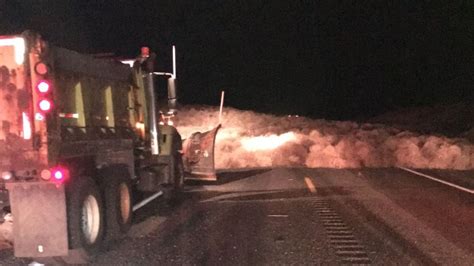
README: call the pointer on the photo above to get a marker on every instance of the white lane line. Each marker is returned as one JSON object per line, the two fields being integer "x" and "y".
{"x": 332, "y": 225}
{"x": 349, "y": 247}
{"x": 278, "y": 215}
{"x": 339, "y": 231}
{"x": 337, "y": 226}
{"x": 351, "y": 252}
{"x": 310, "y": 185}
{"x": 344, "y": 242}
{"x": 342, "y": 238}
{"x": 357, "y": 261}
{"x": 438, "y": 180}
{"x": 334, "y": 229}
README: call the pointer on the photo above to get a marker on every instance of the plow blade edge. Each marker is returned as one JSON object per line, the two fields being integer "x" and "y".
{"x": 198, "y": 155}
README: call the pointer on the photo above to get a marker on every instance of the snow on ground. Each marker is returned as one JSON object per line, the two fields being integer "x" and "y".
{"x": 249, "y": 139}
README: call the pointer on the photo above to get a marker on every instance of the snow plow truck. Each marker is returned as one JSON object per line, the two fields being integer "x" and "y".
{"x": 82, "y": 146}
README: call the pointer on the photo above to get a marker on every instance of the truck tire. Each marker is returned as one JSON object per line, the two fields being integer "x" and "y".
{"x": 118, "y": 204}
{"x": 85, "y": 214}
{"x": 175, "y": 191}
{"x": 178, "y": 174}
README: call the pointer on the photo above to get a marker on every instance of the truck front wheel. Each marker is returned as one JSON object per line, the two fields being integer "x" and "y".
{"x": 85, "y": 214}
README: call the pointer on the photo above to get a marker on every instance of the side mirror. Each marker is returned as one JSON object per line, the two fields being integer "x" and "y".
{"x": 172, "y": 95}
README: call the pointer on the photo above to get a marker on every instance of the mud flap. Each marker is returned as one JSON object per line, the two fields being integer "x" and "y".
{"x": 39, "y": 219}
{"x": 198, "y": 155}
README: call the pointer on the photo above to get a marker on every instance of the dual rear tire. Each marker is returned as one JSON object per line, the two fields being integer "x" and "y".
{"x": 178, "y": 174}
{"x": 85, "y": 213}
{"x": 118, "y": 205}
{"x": 96, "y": 216}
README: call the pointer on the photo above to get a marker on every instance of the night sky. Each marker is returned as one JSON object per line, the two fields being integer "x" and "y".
{"x": 324, "y": 59}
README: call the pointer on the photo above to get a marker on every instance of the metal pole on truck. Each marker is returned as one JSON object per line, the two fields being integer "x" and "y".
{"x": 220, "y": 109}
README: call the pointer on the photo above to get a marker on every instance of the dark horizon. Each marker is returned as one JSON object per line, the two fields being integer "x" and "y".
{"x": 332, "y": 60}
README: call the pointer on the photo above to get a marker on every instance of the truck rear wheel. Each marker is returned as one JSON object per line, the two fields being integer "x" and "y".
{"x": 118, "y": 203}
{"x": 85, "y": 214}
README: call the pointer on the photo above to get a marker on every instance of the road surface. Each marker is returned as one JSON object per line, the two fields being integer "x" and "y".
{"x": 305, "y": 217}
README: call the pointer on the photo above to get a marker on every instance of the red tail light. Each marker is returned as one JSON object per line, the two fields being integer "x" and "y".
{"x": 145, "y": 52}
{"x": 45, "y": 105}
{"x": 43, "y": 87}
{"x": 59, "y": 174}
{"x": 41, "y": 68}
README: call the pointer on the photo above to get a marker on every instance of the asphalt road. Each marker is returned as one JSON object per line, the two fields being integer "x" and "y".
{"x": 305, "y": 217}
